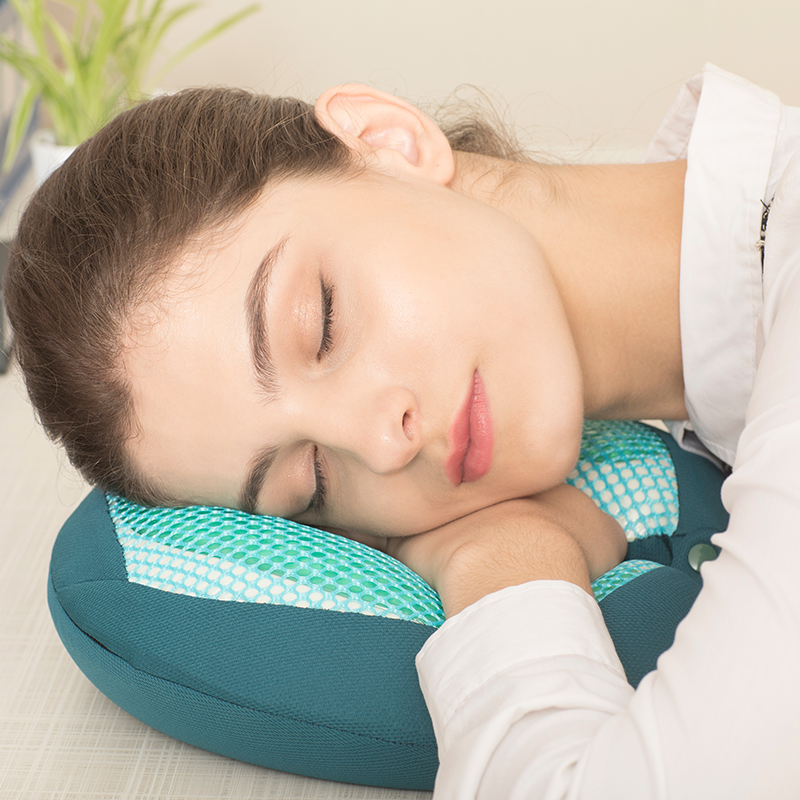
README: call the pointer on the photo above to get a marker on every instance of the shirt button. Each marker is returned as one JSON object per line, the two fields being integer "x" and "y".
{"x": 700, "y": 553}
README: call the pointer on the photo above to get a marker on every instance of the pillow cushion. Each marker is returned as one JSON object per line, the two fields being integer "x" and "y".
{"x": 284, "y": 646}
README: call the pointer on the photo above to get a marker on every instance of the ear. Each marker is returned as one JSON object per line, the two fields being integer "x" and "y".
{"x": 387, "y": 132}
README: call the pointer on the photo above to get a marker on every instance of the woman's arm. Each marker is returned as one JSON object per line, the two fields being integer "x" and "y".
{"x": 528, "y": 699}
{"x": 556, "y": 535}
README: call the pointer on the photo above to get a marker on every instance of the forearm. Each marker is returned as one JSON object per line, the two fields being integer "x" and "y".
{"x": 545, "y": 554}
{"x": 518, "y": 686}
{"x": 557, "y": 535}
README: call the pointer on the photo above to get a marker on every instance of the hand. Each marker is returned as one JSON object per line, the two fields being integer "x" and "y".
{"x": 556, "y": 535}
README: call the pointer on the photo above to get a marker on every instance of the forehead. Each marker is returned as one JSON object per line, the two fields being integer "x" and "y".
{"x": 185, "y": 348}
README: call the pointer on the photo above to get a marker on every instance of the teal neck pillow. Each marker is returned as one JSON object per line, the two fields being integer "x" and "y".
{"x": 293, "y": 648}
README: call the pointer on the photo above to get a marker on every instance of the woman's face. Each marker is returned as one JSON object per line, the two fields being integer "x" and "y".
{"x": 377, "y": 355}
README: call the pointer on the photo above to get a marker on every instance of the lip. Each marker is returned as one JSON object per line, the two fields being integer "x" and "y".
{"x": 471, "y": 437}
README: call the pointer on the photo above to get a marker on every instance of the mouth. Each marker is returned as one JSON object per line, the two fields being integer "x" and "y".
{"x": 471, "y": 437}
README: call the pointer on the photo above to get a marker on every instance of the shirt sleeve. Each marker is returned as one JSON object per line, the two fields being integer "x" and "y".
{"x": 527, "y": 696}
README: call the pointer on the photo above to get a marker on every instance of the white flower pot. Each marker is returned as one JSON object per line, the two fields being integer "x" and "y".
{"x": 46, "y": 154}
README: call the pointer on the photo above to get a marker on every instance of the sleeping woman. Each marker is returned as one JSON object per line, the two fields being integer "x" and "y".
{"x": 346, "y": 316}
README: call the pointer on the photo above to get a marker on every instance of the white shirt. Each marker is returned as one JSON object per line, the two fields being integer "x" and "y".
{"x": 527, "y": 695}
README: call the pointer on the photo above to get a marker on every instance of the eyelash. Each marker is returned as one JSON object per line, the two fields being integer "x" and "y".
{"x": 318, "y": 500}
{"x": 327, "y": 319}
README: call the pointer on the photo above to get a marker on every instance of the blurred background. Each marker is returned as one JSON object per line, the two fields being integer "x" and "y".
{"x": 575, "y": 75}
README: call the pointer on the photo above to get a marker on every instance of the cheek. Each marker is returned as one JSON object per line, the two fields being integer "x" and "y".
{"x": 406, "y": 504}
{"x": 391, "y": 506}
{"x": 420, "y": 317}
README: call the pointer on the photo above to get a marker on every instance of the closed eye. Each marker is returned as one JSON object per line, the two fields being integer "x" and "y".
{"x": 317, "y": 503}
{"x": 326, "y": 339}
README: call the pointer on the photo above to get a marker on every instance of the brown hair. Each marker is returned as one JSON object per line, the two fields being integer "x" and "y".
{"x": 101, "y": 229}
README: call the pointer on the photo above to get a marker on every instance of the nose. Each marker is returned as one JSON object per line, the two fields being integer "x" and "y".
{"x": 381, "y": 428}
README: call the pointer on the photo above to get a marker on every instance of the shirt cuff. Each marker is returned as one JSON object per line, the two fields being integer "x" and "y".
{"x": 514, "y": 626}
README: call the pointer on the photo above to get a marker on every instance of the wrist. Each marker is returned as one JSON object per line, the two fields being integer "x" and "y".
{"x": 474, "y": 575}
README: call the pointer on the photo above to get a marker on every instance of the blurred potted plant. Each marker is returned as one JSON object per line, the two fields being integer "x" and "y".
{"x": 88, "y": 69}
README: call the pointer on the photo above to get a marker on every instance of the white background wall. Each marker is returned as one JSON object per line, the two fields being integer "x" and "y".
{"x": 571, "y": 72}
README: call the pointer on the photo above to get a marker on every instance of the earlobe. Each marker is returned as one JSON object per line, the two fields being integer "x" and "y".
{"x": 387, "y": 132}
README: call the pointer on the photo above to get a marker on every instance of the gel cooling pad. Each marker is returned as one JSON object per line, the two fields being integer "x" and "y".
{"x": 281, "y": 645}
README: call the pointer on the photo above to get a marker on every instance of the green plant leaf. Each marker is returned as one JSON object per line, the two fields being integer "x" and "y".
{"x": 31, "y": 66}
{"x": 31, "y": 13}
{"x": 100, "y": 58}
{"x": 66, "y": 46}
{"x": 111, "y": 20}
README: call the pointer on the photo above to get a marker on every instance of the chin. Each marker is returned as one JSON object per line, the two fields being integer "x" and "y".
{"x": 554, "y": 462}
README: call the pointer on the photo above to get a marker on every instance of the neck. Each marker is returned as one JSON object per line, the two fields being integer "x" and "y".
{"x": 611, "y": 235}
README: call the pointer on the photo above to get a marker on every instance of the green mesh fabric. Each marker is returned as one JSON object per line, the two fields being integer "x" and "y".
{"x": 228, "y": 555}
{"x": 627, "y": 470}
{"x": 619, "y": 576}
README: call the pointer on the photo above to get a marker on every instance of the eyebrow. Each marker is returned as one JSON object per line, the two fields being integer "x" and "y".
{"x": 255, "y": 305}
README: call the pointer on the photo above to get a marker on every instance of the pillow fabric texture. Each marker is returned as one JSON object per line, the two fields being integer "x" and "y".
{"x": 293, "y": 648}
